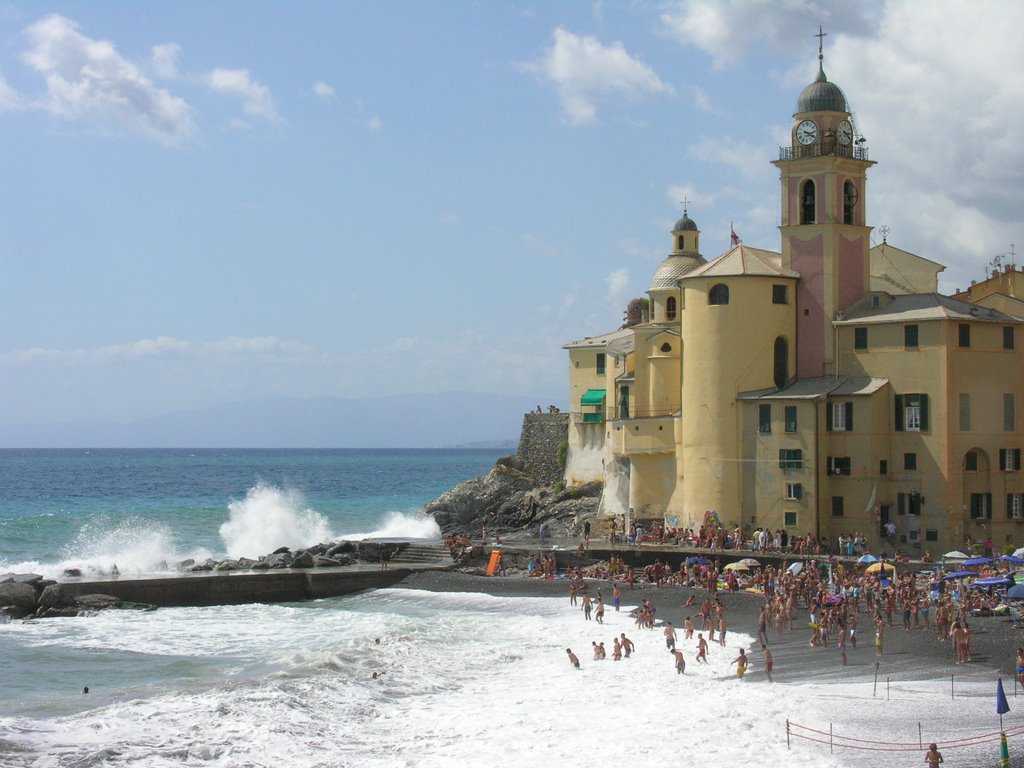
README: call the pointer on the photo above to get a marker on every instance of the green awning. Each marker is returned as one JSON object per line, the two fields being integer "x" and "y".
{"x": 593, "y": 397}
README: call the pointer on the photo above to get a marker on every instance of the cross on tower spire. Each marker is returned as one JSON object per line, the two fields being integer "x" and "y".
{"x": 684, "y": 202}
{"x": 821, "y": 40}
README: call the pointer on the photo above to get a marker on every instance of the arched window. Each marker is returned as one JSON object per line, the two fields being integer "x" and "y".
{"x": 781, "y": 362}
{"x": 719, "y": 294}
{"x": 670, "y": 308}
{"x": 807, "y": 203}
{"x": 679, "y": 243}
{"x": 849, "y": 201}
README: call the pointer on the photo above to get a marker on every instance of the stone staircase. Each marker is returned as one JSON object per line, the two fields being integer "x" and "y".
{"x": 427, "y": 555}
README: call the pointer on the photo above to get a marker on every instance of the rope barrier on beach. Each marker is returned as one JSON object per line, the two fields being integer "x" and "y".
{"x": 837, "y": 740}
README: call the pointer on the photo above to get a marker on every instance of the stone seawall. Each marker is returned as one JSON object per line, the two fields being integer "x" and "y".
{"x": 538, "y": 445}
{"x": 237, "y": 587}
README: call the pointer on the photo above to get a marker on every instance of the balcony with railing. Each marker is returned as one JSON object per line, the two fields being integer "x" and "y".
{"x": 824, "y": 149}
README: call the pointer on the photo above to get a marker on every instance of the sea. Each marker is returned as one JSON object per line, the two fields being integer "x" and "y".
{"x": 389, "y": 677}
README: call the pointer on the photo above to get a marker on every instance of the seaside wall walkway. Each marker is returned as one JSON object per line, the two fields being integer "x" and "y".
{"x": 233, "y": 588}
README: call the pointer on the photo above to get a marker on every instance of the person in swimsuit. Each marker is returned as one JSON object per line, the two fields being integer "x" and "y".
{"x": 769, "y": 663}
{"x": 616, "y": 597}
{"x": 702, "y": 648}
{"x": 741, "y": 664}
{"x": 1020, "y": 666}
{"x": 572, "y": 658}
{"x": 680, "y": 662}
{"x": 627, "y": 644}
{"x": 933, "y": 757}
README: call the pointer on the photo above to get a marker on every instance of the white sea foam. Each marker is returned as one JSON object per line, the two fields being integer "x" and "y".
{"x": 463, "y": 675}
{"x": 270, "y": 517}
{"x": 397, "y": 525}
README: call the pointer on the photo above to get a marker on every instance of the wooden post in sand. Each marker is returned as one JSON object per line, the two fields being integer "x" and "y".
{"x": 874, "y": 691}
{"x": 787, "y": 734}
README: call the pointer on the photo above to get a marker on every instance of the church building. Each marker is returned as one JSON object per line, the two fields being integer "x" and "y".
{"x": 823, "y": 389}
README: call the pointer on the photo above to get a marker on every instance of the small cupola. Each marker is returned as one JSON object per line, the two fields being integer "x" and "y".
{"x": 686, "y": 236}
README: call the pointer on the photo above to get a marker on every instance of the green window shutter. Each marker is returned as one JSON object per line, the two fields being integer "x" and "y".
{"x": 764, "y": 418}
{"x": 923, "y": 399}
{"x": 901, "y": 504}
{"x": 899, "y": 413}
{"x": 849, "y": 417}
{"x": 1002, "y": 458}
{"x": 1009, "y": 506}
{"x": 828, "y": 417}
{"x": 1016, "y": 458}
{"x": 988, "y": 505}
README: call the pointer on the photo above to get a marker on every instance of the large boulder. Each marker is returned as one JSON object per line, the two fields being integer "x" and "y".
{"x": 304, "y": 560}
{"x": 18, "y": 595}
{"x": 54, "y": 596}
{"x": 97, "y": 602}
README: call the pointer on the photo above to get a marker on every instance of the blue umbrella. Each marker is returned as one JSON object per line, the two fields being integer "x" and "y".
{"x": 873, "y": 559}
{"x": 697, "y": 560}
{"x": 1016, "y": 593}
{"x": 1011, "y": 559}
{"x": 976, "y": 561}
{"x": 994, "y": 581}
{"x": 958, "y": 575}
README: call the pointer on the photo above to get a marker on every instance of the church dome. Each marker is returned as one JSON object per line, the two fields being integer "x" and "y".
{"x": 821, "y": 96}
{"x": 674, "y": 267}
{"x": 685, "y": 224}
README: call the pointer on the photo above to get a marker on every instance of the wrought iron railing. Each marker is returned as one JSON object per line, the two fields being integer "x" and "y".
{"x": 823, "y": 149}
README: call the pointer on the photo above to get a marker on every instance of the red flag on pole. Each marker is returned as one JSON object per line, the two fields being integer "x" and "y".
{"x": 735, "y": 238}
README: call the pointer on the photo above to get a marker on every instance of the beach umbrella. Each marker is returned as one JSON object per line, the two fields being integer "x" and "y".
{"x": 884, "y": 567}
{"x": 697, "y": 560}
{"x": 1018, "y": 552}
{"x": 958, "y": 575}
{"x": 1016, "y": 592}
{"x": 752, "y": 563}
{"x": 994, "y": 581}
{"x": 957, "y": 555}
{"x": 796, "y": 567}
{"x": 736, "y": 567}
{"x": 867, "y": 559}
{"x": 1011, "y": 559}
{"x": 971, "y": 562}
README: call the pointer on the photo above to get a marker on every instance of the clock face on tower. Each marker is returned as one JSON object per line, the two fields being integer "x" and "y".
{"x": 844, "y": 132}
{"x": 807, "y": 132}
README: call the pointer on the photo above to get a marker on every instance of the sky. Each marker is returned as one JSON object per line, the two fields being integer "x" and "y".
{"x": 204, "y": 203}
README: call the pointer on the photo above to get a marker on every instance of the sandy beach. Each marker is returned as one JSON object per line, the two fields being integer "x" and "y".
{"x": 908, "y": 655}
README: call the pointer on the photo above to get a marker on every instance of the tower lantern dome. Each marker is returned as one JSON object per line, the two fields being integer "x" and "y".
{"x": 821, "y": 96}
{"x": 685, "y": 224}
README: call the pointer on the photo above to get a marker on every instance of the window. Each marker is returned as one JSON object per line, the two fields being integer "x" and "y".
{"x": 764, "y": 418}
{"x": 794, "y": 491}
{"x": 971, "y": 461}
{"x": 670, "y": 308}
{"x": 931, "y": 534}
{"x": 981, "y": 506}
{"x": 860, "y": 338}
{"x": 791, "y": 458}
{"x": 719, "y": 294}
{"x": 1009, "y": 412}
{"x": 912, "y": 413}
{"x": 807, "y": 203}
{"x": 600, "y": 363}
{"x": 909, "y": 503}
{"x": 965, "y": 334}
{"x": 965, "y": 412}
{"x": 839, "y": 417}
{"x": 883, "y": 466}
{"x": 910, "y": 336}
{"x": 1014, "y": 506}
{"x": 849, "y": 201}
{"x": 789, "y": 413}
{"x": 779, "y": 294}
{"x": 666, "y": 347}
{"x": 837, "y": 506}
{"x": 781, "y": 362}
{"x": 789, "y": 519}
{"x": 909, "y": 462}
{"x": 839, "y": 465}
{"x": 1007, "y": 337}
{"x": 1009, "y": 459}
{"x": 624, "y": 402}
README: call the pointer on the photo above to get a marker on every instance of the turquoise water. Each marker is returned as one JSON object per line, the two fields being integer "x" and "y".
{"x": 136, "y": 508}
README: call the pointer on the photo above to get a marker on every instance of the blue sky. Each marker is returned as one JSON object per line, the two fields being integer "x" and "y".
{"x": 211, "y": 202}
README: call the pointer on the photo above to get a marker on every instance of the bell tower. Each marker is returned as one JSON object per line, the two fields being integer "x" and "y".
{"x": 824, "y": 234}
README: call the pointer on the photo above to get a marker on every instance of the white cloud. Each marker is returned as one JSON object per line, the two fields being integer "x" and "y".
{"x": 583, "y": 71}
{"x": 727, "y": 29}
{"x": 10, "y": 99}
{"x": 748, "y": 160}
{"x": 677, "y": 193}
{"x": 166, "y": 347}
{"x": 374, "y": 123}
{"x": 165, "y": 60}
{"x": 255, "y": 96}
{"x": 323, "y": 90}
{"x": 256, "y": 345}
{"x": 89, "y": 80}
{"x": 618, "y": 286}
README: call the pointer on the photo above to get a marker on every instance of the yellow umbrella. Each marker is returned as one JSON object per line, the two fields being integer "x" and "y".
{"x": 876, "y": 567}
{"x": 736, "y": 567}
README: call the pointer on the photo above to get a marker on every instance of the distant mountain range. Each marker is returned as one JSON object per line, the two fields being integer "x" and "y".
{"x": 445, "y": 420}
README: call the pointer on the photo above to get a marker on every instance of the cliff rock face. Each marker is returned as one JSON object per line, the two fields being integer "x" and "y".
{"x": 508, "y": 499}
